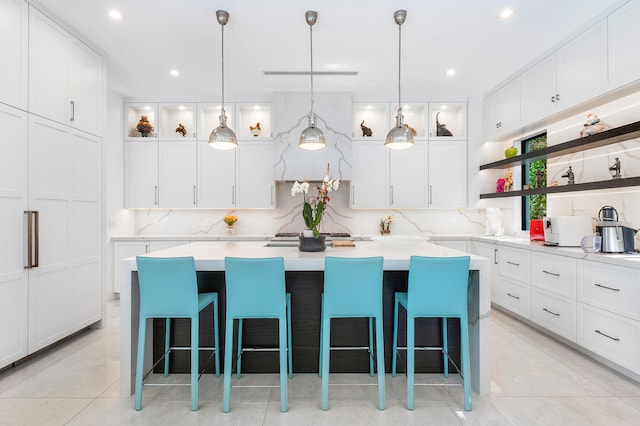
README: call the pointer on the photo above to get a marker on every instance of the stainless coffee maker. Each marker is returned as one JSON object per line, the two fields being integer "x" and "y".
{"x": 616, "y": 237}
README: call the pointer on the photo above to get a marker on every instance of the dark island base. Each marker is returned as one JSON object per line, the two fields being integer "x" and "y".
{"x": 306, "y": 288}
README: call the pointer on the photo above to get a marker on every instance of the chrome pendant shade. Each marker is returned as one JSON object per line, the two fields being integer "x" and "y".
{"x": 400, "y": 136}
{"x": 222, "y": 137}
{"x": 312, "y": 138}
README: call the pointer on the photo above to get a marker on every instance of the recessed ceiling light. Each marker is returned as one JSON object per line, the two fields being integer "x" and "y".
{"x": 114, "y": 14}
{"x": 174, "y": 73}
{"x": 451, "y": 72}
{"x": 443, "y": 107}
{"x": 506, "y": 13}
{"x": 181, "y": 107}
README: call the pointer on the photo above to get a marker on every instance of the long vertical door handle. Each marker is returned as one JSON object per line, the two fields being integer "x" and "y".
{"x": 233, "y": 195}
{"x": 391, "y": 194}
{"x": 195, "y": 198}
{"x": 73, "y": 110}
{"x": 155, "y": 194}
{"x": 33, "y": 239}
{"x": 430, "y": 194}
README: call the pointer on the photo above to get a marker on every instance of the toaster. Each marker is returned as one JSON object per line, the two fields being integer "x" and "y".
{"x": 566, "y": 231}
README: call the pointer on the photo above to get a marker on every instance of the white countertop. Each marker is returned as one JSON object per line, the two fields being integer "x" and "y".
{"x": 209, "y": 256}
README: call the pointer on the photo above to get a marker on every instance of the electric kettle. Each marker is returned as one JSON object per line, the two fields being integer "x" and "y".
{"x": 608, "y": 213}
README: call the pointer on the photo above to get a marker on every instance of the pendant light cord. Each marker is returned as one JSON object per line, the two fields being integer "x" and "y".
{"x": 399, "y": 62}
{"x": 223, "y": 112}
{"x": 311, "y": 44}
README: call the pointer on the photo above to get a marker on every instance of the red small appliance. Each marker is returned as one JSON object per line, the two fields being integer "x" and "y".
{"x": 536, "y": 230}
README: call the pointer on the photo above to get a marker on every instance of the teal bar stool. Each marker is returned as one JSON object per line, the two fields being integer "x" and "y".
{"x": 255, "y": 289}
{"x": 437, "y": 288}
{"x": 169, "y": 289}
{"x": 352, "y": 289}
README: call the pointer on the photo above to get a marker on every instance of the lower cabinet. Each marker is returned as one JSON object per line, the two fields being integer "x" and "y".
{"x": 516, "y": 297}
{"x": 612, "y": 336}
{"x": 554, "y": 312}
{"x": 491, "y": 252}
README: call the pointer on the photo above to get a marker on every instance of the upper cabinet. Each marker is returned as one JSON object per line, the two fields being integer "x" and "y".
{"x": 447, "y": 120}
{"x": 14, "y": 70}
{"x": 624, "y": 61}
{"x": 177, "y": 121}
{"x": 208, "y": 119}
{"x": 254, "y": 121}
{"x": 370, "y": 120}
{"x": 64, "y": 76}
{"x": 502, "y": 109}
{"x": 574, "y": 73}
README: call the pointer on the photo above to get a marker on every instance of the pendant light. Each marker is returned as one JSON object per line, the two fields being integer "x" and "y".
{"x": 400, "y": 137}
{"x": 222, "y": 136}
{"x": 312, "y": 137}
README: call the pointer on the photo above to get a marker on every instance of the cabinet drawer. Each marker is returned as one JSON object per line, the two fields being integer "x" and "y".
{"x": 612, "y": 336}
{"x": 515, "y": 264}
{"x": 613, "y": 288}
{"x": 516, "y": 297}
{"x": 554, "y": 312}
{"x": 556, "y": 274}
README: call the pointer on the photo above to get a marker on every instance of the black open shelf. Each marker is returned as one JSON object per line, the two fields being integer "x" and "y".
{"x": 607, "y": 137}
{"x": 589, "y": 186}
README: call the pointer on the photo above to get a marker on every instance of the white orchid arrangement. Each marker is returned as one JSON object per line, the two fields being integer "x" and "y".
{"x": 313, "y": 207}
{"x": 385, "y": 222}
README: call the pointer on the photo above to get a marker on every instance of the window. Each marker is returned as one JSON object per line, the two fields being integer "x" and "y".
{"x": 534, "y": 175}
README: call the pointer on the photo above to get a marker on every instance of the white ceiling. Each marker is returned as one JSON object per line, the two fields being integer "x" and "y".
{"x": 350, "y": 35}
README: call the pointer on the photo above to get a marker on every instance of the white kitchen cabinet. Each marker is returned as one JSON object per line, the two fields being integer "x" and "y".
{"x": 447, "y": 174}
{"x": 64, "y": 187}
{"x": 141, "y": 168}
{"x": 623, "y": 35}
{"x": 502, "y": 109}
{"x": 208, "y": 118}
{"x": 375, "y": 117}
{"x": 491, "y": 252}
{"x": 216, "y": 177}
{"x": 177, "y": 175}
{"x": 144, "y": 114}
{"x": 64, "y": 76}
{"x": 172, "y": 116}
{"x": 574, "y": 73}
{"x": 14, "y": 71}
{"x": 14, "y": 281}
{"x": 408, "y": 176}
{"x": 369, "y": 180}
{"x": 255, "y": 186}
{"x": 515, "y": 280}
{"x": 251, "y": 116}
{"x": 611, "y": 288}
{"x": 553, "y": 312}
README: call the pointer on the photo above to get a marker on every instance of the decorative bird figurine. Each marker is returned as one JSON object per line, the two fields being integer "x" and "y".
{"x": 255, "y": 130}
{"x": 181, "y": 129}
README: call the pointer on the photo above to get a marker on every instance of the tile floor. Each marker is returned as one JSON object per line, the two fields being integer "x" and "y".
{"x": 535, "y": 381}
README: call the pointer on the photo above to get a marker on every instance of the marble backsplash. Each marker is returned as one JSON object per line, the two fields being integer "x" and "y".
{"x": 287, "y": 217}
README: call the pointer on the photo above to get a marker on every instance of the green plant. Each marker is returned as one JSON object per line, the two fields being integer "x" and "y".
{"x": 538, "y": 203}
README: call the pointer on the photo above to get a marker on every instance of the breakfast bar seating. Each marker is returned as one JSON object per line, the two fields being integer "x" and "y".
{"x": 304, "y": 279}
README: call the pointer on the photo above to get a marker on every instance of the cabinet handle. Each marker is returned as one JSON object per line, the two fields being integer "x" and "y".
{"x": 155, "y": 194}
{"x": 606, "y": 335}
{"x": 391, "y": 194}
{"x": 553, "y": 99}
{"x": 513, "y": 263}
{"x": 557, "y": 97}
{"x": 430, "y": 194}
{"x": 146, "y": 249}
{"x": 515, "y": 297}
{"x": 272, "y": 195}
{"x": 608, "y": 288}
{"x": 495, "y": 256}
{"x": 195, "y": 197}
{"x": 33, "y": 239}
{"x": 353, "y": 194}
{"x": 551, "y": 312}
{"x": 73, "y": 110}
{"x": 551, "y": 273}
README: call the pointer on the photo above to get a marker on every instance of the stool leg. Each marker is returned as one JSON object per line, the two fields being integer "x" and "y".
{"x": 466, "y": 364}
{"x": 167, "y": 345}
{"x": 142, "y": 334}
{"x": 410, "y": 359}
{"x": 382, "y": 394}
{"x": 228, "y": 352}
{"x": 371, "y": 346}
{"x": 394, "y": 357}
{"x": 195, "y": 344}
{"x": 216, "y": 338}
{"x": 284, "y": 390}
{"x": 289, "y": 341}
{"x": 326, "y": 342}
{"x": 445, "y": 347}
{"x": 321, "y": 335}
{"x": 239, "y": 346}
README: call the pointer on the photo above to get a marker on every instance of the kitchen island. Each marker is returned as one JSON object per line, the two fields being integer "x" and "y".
{"x": 303, "y": 272}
